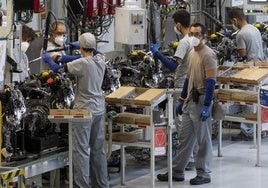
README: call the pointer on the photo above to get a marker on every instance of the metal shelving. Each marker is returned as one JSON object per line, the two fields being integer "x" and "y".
{"x": 148, "y": 143}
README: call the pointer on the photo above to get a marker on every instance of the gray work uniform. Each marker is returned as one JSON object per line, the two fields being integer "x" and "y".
{"x": 90, "y": 168}
{"x": 193, "y": 128}
{"x": 249, "y": 38}
{"x": 182, "y": 52}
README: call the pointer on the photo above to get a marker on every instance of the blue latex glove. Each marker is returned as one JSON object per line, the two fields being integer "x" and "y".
{"x": 205, "y": 113}
{"x": 52, "y": 65}
{"x": 169, "y": 63}
{"x": 68, "y": 58}
{"x": 75, "y": 45}
{"x": 179, "y": 107}
{"x": 154, "y": 48}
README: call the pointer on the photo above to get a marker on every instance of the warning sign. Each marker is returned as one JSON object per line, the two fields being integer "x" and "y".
{"x": 264, "y": 118}
{"x": 136, "y": 31}
{"x": 160, "y": 141}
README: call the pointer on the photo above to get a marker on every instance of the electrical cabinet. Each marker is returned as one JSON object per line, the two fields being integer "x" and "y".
{"x": 130, "y": 24}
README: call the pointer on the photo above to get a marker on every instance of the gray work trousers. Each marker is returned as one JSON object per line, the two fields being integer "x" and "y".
{"x": 90, "y": 168}
{"x": 177, "y": 122}
{"x": 194, "y": 130}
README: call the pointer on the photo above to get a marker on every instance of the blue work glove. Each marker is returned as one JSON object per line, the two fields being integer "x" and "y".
{"x": 171, "y": 64}
{"x": 179, "y": 107}
{"x": 205, "y": 113}
{"x": 75, "y": 45}
{"x": 68, "y": 58}
{"x": 52, "y": 65}
{"x": 154, "y": 48}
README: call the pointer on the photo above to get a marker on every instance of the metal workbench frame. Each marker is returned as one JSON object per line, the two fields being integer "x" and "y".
{"x": 257, "y": 125}
{"x": 38, "y": 165}
{"x": 148, "y": 144}
{"x": 70, "y": 119}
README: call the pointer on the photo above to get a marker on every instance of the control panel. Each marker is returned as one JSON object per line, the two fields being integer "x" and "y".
{"x": 255, "y": 7}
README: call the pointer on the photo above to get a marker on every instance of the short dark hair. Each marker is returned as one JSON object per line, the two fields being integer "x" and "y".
{"x": 203, "y": 28}
{"x": 88, "y": 49}
{"x": 28, "y": 33}
{"x": 182, "y": 16}
{"x": 237, "y": 13}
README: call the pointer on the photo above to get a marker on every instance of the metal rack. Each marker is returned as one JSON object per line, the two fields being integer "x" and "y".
{"x": 70, "y": 119}
{"x": 257, "y": 125}
{"x": 147, "y": 144}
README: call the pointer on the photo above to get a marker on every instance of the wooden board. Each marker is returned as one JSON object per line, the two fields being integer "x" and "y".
{"x": 79, "y": 112}
{"x": 125, "y": 117}
{"x": 143, "y": 119}
{"x": 245, "y": 96}
{"x": 261, "y": 64}
{"x": 118, "y": 94}
{"x": 129, "y": 99}
{"x": 252, "y": 117}
{"x": 125, "y": 137}
{"x": 134, "y": 96}
{"x": 224, "y": 73}
{"x": 149, "y": 96}
{"x": 250, "y": 76}
{"x": 59, "y": 112}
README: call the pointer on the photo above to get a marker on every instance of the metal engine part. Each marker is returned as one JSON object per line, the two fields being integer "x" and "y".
{"x": 111, "y": 80}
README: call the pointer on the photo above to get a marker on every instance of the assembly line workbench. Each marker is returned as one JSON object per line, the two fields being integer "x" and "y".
{"x": 70, "y": 119}
{"x": 33, "y": 165}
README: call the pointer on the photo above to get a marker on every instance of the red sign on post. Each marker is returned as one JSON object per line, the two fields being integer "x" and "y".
{"x": 264, "y": 118}
{"x": 160, "y": 141}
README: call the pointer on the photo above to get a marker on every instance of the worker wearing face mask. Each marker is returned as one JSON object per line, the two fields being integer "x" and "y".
{"x": 249, "y": 48}
{"x": 21, "y": 58}
{"x": 248, "y": 38}
{"x": 194, "y": 105}
{"x": 90, "y": 168}
{"x": 57, "y": 40}
{"x": 178, "y": 64}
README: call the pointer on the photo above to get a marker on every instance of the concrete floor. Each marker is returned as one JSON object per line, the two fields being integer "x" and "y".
{"x": 235, "y": 169}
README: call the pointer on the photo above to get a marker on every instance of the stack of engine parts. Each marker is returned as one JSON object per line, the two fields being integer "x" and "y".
{"x": 26, "y": 106}
{"x": 141, "y": 69}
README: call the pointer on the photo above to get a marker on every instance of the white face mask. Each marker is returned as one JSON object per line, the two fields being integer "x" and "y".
{"x": 194, "y": 41}
{"x": 234, "y": 27}
{"x": 24, "y": 46}
{"x": 60, "y": 40}
{"x": 176, "y": 30}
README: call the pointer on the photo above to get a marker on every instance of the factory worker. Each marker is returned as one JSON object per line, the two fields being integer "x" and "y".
{"x": 21, "y": 58}
{"x": 57, "y": 43}
{"x": 90, "y": 170}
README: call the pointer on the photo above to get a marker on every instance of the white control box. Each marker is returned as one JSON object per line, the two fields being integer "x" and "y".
{"x": 130, "y": 25}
